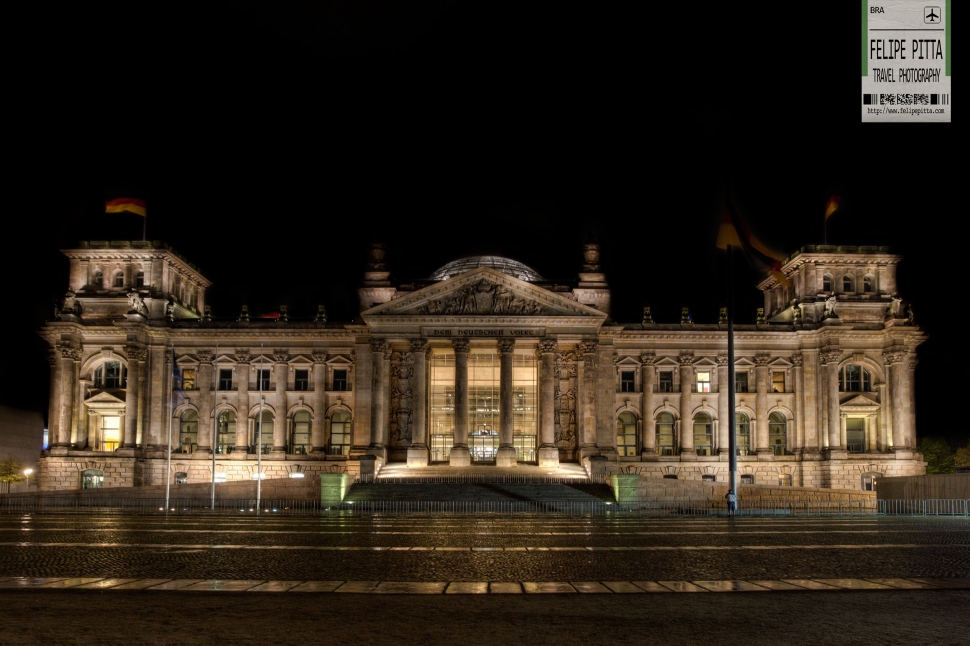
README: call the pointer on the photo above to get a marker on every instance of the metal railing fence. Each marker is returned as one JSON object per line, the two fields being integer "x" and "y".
{"x": 480, "y": 479}
{"x": 951, "y": 507}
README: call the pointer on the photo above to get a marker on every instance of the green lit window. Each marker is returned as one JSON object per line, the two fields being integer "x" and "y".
{"x": 626, "y": 434}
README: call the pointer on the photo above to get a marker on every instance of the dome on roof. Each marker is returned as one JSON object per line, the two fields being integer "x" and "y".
{"x": 504, "y": 265}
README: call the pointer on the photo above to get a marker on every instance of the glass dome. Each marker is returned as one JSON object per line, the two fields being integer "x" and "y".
{"x": 504, "y": 265}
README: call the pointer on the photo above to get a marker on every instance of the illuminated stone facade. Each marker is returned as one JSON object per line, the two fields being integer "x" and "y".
{"x": 484, "y": 362}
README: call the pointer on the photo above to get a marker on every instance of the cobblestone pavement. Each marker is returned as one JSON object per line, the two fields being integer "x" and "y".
{"x": 481, "y": 549}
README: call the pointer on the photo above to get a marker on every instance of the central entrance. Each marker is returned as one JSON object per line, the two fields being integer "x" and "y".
{"x": 484, "y": 403}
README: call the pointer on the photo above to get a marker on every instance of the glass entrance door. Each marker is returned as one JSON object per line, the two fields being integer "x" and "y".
{"x": 525, "y": 448}
{"x": 441, "y": 447}
{"x": 483, "y": 445}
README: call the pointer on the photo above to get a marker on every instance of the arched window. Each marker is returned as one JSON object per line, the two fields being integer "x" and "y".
{"x": 97, "y": 280}
{"x": 626, "y": 434}
{"x": 300, "y": 442}
{"x": 847, "y": 284}
{"x": 188, "y": 432}
{"x": 854, "y": 378}
{"x": 867, "y": 284}
{"x": 140, "y": 279}
{"x": 118, "y": 279}
{"x": 743, "y": 425}
{"x": 826, "y": 283}
{"x": 778, "y": 434}
{"x": 111, "y": 374}
{"x": 703, "y": 436}
{"x": 263, "y": 432}
{"x": 340, "y": 433}
{"x": 747, "y": 478}
{"x": 92, "y": 479}
{"x": 665, "y": 434}
{"x": 226, "y": 438}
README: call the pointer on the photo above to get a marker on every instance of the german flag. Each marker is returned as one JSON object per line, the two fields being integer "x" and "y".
{"x": 832, "y": 205}
{"x": 122, "y": 204}
{"x": 735, "y": 233}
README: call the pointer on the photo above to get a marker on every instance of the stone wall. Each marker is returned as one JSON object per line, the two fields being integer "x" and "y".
{"x": 665, "y": 490}
{"x": 307, "y": 488}
{"x": 933, "y": 487}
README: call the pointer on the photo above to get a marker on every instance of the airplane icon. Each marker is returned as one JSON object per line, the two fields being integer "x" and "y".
{"x": 931, "y": 16}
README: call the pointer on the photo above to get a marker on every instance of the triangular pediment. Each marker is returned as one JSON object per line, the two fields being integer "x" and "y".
{"x": 483, "y": 292}
{"x": 859, "y": 401}
{"x": 104, "y": 399}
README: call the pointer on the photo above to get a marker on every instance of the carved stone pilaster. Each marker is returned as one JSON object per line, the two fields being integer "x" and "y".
{"x": 796, "y": 359}
{"x": 205, "y": 356}
{"x": 460, "y": 345}
{"x": 830, "y": 355}
{"x": 762, "y": 359}
{"x": 506, "y": 345}
{"x": 243, "y": 355}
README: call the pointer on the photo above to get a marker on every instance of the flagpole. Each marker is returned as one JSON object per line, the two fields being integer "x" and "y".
{"x": 732, "y": 428}
{"x": 171, "y": 412}
{"x": 259, "y": 436}
{"x": 215, "y": 425}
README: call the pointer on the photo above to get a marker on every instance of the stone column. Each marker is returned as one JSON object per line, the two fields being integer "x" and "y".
{"x": 378, "y": 348}
{"x": 648, "y": 373}
{"x": 762, "y": 376}
{"x": 460, "y": 455}
{"x": 548, "y": 451}
{"x": 587, "y": 350}
{"x": 911, "y": 400}
{"x": 157, "y": 402}
{"x": 687, "y": 426}
{"x": 799, "y": 387}
{"x": 896, "y": 360}
{"x": 242, "y": 404}
{"x": 280, "y": 425}
{"x": 809, "y": 399}
{"x": 53, "y": 402}
{"x": 318, "y": 436}
{"x": 207, "y": 403}
{"x": 136, "y": 356}
{"x": 723, "y": 410}
{"x": 830, "y": 358}
{"x": 883, "y": 434}
{"x": 418, "y": 451}
{"x": 505, "y": 456}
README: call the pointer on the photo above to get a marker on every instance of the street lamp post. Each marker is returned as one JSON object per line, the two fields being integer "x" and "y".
{"x": 27, "y": 473}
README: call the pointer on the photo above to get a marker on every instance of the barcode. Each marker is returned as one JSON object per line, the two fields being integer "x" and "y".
{"x": 905, "y": 99}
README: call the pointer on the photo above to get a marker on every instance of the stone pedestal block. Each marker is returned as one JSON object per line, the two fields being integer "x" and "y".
{"x": 766, "y": 456}
{"x": 417, "y": 456}
{"x": 836, "y": 454}
{"x": 460, "y": 457}
{"x": 625, "y": 487}
{"x": 333, "y": 488}
{"x": 903, "y": 454}
{"x": 688, "y": 455}
{"x": 505, "y": 457}
{"x": 548, "y": 456}
{"x": 368, "y": 467}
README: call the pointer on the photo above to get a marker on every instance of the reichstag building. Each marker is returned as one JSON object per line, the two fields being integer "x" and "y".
{"x": 483, "y": 362}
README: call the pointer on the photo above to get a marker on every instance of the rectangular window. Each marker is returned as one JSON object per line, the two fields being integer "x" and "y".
{"x": 225, "y": 379}
{"x": 627, "y": 381}
{"x": 778, "y": 382}
{"x": 302, "y": 380}
{"x": 703, "y": 382}
{"x": 666, "y": 382}
{"x": 188, "y": 379}
{"x": 740, "y": 382}
{"x": 340, "y": 380}
{"x": 110, "y": 432}
{"x": 855, "y": 435}
{"x": 262, "y": 380}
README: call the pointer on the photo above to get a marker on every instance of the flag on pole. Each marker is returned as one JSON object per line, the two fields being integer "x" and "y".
{"x": 177, "y": 379}
{"x": 832, "y": 205}
{"x": 129, "y": 204}
{"x": 734, "y": 232}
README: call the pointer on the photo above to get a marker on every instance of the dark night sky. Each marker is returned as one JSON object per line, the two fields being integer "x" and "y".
{"x": 274, "y": 144}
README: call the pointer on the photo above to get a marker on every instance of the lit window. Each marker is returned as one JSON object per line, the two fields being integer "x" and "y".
{"x": 627, "y": 383}
{"x": 702, "y": 434}
{"x": 188, "y": 379}
{"x": 784, "y": 480}
{"x": 703, "y": 382}
{"x": 340, "y": 433}
{"x": 225, "y": 379}
{"x": 297, "y": 474}
{"x": 778, "y": 434}
{"x": 855, "y": 434}
{"x": 111, "y": 374}
{"x": 741, "y": 382}
{"x": 301, "y": 381}
{"x": 181, "y": 477}
{"x": 665, "y": 434}
{"x": 778, "y": 382}
{"x": 300, "y": 442}
{"x": 221, "y": 476}
{"x": 626, "y": 434}
{"x": 666, "y": 383}
{"x": 92, "y": 479}
{"x": 188, "y": 432}
{"x": 869, "y": 481}
{"x": 110, "y": 433}
{"x": 744, "y": 433}
{"x": 747, "y": 478}
{"x": 340, "y": 380}
{"x": 854, "y": 378}
{"x": 257, "y": 476}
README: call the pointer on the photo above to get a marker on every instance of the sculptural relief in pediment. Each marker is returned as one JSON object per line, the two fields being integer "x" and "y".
{"x": 483, "y": 297}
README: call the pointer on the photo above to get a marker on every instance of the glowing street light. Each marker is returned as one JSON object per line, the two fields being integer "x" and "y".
{"x": 27, "y": 473}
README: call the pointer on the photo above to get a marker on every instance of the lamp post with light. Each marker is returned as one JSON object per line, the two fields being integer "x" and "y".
{"x": 27, "y": 473}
